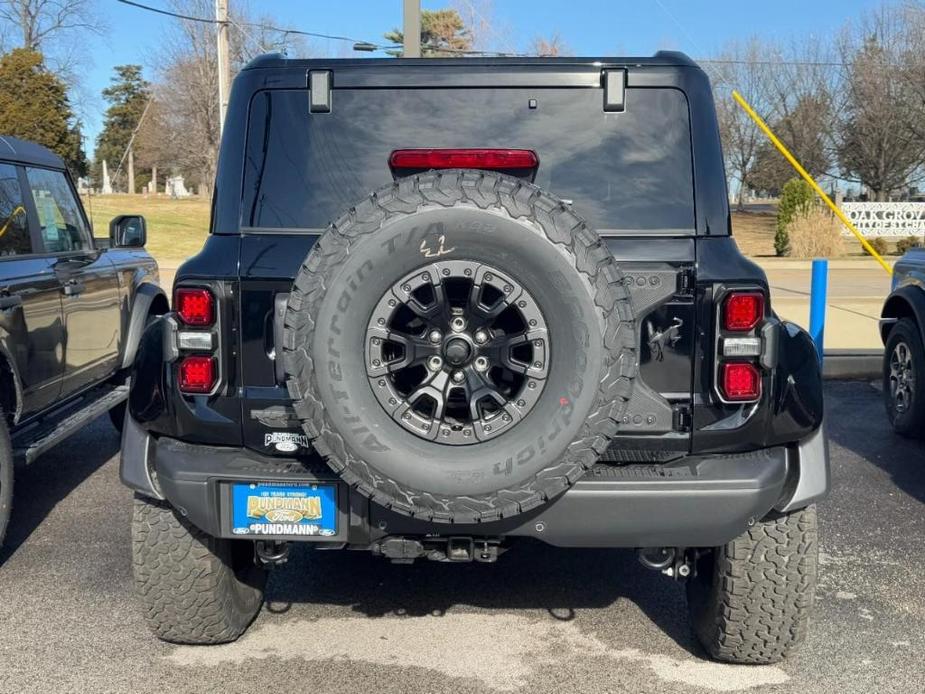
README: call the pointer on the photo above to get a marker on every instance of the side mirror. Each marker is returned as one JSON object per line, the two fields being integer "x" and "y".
{"x": 128, "y": 231}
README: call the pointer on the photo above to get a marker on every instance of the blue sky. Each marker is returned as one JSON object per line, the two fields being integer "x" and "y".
{"x": 588, "y": 27}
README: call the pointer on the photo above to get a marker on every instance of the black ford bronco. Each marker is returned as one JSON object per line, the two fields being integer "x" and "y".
{"x": 72, "y": 309}
{"x": 447, "y": 305}
{"x": 902, "y": 328}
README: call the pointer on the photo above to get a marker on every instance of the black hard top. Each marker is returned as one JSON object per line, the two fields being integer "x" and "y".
{"x": 25, "y": 152}
{"x": 660, "y": 59}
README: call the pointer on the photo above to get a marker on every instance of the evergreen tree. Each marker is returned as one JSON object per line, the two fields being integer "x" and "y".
{"x": 34, "y": 106}
{"x": 127, "y": 96}
{"x": 443, "y": 35}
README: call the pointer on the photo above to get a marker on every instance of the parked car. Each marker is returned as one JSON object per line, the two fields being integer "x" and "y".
{"x": 72, "y": 309}
{"x": 901, "y": 327}
{"x": 536, "y": 325}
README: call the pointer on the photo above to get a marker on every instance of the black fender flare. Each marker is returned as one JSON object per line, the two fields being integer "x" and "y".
{"x": 148, "y": 296}
{"x": 6, "y": 362}
{"x": 905, "y": 302}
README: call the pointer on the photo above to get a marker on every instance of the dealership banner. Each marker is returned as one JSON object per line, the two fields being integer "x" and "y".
{"x": 886, "y": 218}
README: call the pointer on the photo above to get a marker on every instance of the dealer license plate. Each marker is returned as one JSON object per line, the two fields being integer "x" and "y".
{"x": 284, "y": 509}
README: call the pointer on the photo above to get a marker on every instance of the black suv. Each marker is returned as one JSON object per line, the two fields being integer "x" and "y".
{"x": 527, "y": 319}
{"x": 72, "y": 309}
{"x": 902, "y": 327}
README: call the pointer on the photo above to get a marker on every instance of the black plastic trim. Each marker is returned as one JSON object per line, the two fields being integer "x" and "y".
{"x": 691, "y": 502}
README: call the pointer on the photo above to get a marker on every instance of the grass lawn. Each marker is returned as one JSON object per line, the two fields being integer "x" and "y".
{"x": 176, "y": 228}
{"x": 754, "y": 232}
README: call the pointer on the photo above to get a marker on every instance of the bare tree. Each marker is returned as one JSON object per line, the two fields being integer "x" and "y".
{"x": 186, "y": 93}
{"x": 51, "y": 27}
{"x": 743, "y": 68}
{"x": 881, "y": 143}
{"x": 39, "y": 21}
{"x": 550, "y": 46}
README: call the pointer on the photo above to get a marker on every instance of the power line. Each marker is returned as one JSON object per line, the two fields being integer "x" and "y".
{"x": 299, "y": 32}
{"x": 268, "y": 27}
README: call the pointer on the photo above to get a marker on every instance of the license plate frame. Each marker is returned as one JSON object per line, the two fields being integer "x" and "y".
{"x": 303, "y": 510}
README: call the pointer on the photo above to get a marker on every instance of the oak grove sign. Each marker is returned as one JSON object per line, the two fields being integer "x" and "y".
{"x": 886, "y": 218}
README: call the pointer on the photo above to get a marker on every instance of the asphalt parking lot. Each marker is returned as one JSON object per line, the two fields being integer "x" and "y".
{"x": 540, "y": 620}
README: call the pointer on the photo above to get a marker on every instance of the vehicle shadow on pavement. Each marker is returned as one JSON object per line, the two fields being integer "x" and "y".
{"x": 530, "y": 576}
{"x": 40, "y": 486}
{"x": 856, "y": 420}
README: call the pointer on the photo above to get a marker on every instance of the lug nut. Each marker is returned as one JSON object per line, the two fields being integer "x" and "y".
{"x": 435, "y": 336}
{"x": 481, "y": 364}
{"x": 458, "y": 324}
{"x": 435, "y": 363}
{"x": 458, "y": 377}
{"x": 481, "y": 337}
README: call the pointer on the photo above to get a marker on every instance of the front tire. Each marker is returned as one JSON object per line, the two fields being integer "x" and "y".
{"x": 195, "y": 588}
{"x": 903, "y": 371}
{"x": 751, "y": 598}
{"x": 6, "y": 477}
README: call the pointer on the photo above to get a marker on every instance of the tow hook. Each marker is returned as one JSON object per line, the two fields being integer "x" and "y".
{"x": 272, "y": 552}
{"x": 674, "y": 562}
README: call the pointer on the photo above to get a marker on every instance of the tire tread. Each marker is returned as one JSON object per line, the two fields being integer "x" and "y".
{"x": 755, "y": 606}
{"x": 553, "y": 222}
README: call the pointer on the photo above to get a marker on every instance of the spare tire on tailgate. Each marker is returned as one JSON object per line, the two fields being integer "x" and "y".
{"x": 460, "y": 346}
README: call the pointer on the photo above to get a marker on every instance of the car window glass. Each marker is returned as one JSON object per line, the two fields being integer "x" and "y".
{"x": 61, "y": 223}
{"x": 14, "y": 226}
{"x": 623, "y": 172}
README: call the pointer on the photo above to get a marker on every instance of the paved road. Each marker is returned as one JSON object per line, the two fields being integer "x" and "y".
{"x": 538, "y": 621}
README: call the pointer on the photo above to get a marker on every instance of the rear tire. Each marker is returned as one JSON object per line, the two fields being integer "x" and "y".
{"x": 6, "y": 477}
{"x": 750, "y": 599}
{"x": 195, "y": 588}
{"x": 904, "y": 378}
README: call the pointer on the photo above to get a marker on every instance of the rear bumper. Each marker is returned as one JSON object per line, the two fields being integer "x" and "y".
{"x": 701, "y": 501}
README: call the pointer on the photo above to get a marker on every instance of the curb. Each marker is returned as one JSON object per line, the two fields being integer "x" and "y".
{"x": 852, "y": 364}
{"x": 806, "y": 264}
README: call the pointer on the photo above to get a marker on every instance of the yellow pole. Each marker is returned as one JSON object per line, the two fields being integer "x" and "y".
{"x": 809, "y": 179}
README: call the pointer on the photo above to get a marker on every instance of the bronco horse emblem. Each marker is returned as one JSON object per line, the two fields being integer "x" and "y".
{"x": 659, "y": 339}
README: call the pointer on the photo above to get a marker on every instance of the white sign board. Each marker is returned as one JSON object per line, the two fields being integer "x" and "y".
{"x": 886, "y": 218}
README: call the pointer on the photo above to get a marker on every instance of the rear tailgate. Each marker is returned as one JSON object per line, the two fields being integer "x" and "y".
{"x": 621, "y": 157}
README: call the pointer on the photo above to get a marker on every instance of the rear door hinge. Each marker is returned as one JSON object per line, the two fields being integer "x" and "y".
{"x": 682, "y": 419}
{"x": 686, "y": 281}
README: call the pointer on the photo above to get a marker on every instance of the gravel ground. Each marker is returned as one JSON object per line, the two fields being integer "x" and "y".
{"x": 539, "y": 620}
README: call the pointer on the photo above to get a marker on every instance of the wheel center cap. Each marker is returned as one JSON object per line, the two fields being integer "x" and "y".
{"x": 457, "y": 351}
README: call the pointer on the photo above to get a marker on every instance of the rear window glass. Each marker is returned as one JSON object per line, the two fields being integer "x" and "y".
{"x": 628, "y": 171}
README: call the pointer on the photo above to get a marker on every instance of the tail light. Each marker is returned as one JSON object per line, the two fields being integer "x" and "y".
{"x": 740, "y": 381}
{"x": 739, "y": 346}
{"x": 195, "y": 306}
{"x": 491, "y": 159}
{"x": 197, "y": 340}
{"x": 197, "y": 374}
{"x": 742, "y": 311}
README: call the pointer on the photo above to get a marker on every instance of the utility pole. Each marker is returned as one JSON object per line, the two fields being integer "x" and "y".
{"x": 411, "y": 29}
{"x": 224, "y": 64}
